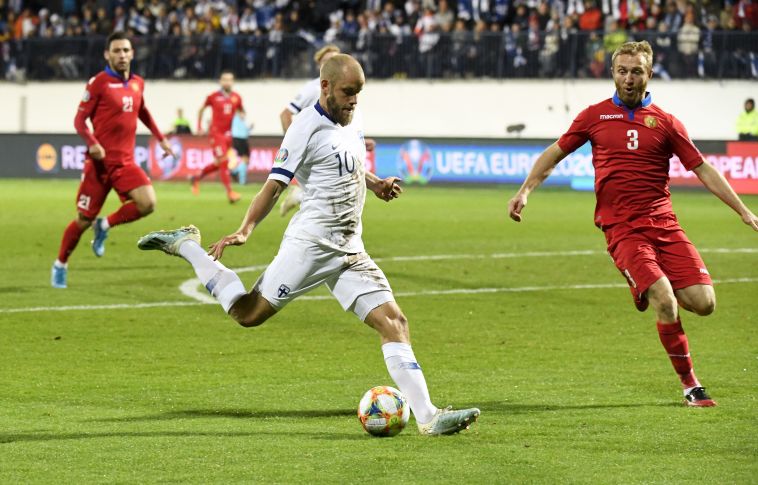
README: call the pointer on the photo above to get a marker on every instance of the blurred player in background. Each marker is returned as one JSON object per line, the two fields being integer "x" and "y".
{"x": 632, "y": 142}
{"x": 113, "y": 101}
{"x": 240, "y": 136}
{"x": 325, "y": 150}
{"x": 307, "y": 97}
{"x": 224, "y": 104}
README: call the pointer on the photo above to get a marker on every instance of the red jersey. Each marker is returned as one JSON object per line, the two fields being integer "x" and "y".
{"x": 223, "y": 106}
{"x": 631, "y": 149}
{"x": 113, "y": 104}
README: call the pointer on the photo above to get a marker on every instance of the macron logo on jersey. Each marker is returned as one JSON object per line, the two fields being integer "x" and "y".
{"x": 612, "y": 117}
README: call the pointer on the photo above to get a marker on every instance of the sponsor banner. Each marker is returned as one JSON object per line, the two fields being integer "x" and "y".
{"x": 415, "y": 160}
{"x": 51, "y": 156}
{"x": 193, "y": 153}
{"x": 490, "y": 161}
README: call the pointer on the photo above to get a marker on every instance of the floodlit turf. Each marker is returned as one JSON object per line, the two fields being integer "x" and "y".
{"x": 572, "y": 383}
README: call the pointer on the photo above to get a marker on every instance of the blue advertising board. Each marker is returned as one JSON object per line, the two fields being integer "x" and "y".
{"x": 444, "y": 161}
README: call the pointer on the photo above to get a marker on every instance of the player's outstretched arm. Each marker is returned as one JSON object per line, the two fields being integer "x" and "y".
{"x": 386, "y": 189}
{"x": 540, "y": 171}
{"x": 199, "y": 130}
{"x": 718, "y": 185}
{"x": 259, "y": 208}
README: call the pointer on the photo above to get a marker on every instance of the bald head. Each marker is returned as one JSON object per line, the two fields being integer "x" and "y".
{"x": 342, "y": 79}
{"x": 342, "y": 66}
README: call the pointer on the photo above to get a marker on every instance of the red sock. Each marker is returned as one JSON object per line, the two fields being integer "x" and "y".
{"x": 226, "y": 179}
{"x": 126, "y": 213}
{"x": 675, "y": 342}
{"x": 70, "y": 239}
{"x": 210, "y": 168}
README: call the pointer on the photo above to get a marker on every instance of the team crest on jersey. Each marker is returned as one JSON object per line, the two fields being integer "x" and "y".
{"x": 281, "y": 155}
{"x": 651, "y": 122}
{"x": 85, "y": 96}
{"x": 135, "y": 87}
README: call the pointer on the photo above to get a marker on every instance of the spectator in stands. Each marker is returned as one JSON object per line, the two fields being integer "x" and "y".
{"x": 747, "y": 122}
{"x": 444, "y": 16}
{"x": 613, "y": 38}
{"x": 688, "y": 42}
{"x": 708, "y": 65}
{"x": 673, "y": 18}
{"x": 592, "y": 18}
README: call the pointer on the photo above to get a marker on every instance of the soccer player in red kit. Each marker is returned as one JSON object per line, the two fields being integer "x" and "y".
{"x": 632, "y": 142}
{"x": 113, "y": 102}
{"x": 224, "y": 103}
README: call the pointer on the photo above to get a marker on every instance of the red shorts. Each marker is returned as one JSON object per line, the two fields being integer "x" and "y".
{"x": 221, "y": 144}
{"x": 649, "y": 248}
{"x": 98, "y": 179}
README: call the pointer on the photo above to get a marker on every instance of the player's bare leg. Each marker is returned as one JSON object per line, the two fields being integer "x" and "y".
{"x": 141, "y": 203}
{"x": 220, "y": 164}
{"x": 71, "y": 236}
{"x": 251, "y": 310}
{"x": 392, "y": 325}
{"x": 664, "y": 302}
{"x": 698, "y": 299}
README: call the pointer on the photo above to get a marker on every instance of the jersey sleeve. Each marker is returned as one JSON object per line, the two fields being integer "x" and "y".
{"x": 291, "y": 153}
{"x": 577, "y": 134}
{"x": 304, "y": 99}
{"x": 87, "y": 106}
{"x": 682, "y": 146}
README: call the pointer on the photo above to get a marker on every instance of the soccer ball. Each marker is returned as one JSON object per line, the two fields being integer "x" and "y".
{"x": 383, "y": 411}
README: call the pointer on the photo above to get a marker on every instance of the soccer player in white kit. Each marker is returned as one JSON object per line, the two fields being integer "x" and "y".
{"x": 306, "y": 98}
{"x": 324, "y": 151}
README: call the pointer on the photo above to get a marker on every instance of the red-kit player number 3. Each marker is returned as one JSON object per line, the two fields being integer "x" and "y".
{"x": 634, "y": 140}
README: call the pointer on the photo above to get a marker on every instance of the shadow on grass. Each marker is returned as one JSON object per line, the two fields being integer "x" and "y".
{"x": 531, "y": 408}
{"x": 231, "y": 413}
{"x": 6, "y": 438}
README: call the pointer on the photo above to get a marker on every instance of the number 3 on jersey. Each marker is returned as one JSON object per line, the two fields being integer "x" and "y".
{"x": 128, "y": 104}
{"x": 634, "y": 140}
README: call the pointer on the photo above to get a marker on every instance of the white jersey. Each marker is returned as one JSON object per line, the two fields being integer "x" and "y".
{"x": 328, "y": 161}
{"x": 307, "y": 97}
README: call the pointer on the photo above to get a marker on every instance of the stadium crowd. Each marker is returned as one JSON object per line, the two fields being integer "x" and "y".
{"x": 417, "y": 38}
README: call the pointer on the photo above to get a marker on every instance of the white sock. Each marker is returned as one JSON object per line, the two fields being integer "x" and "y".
{"x": 221, "y": 282}
{"x": 58, "y": 264}
{"x": 407, "y": 374}
{"x": 104, "y": 224}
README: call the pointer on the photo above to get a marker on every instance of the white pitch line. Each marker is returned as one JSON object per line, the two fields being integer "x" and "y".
{"x": 403, "y": 294}
{"x": 191, "y": 288}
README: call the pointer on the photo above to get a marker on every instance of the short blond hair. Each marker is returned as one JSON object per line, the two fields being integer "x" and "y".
{"x": 324, "y": 51}
{"x": 634, "y": 48}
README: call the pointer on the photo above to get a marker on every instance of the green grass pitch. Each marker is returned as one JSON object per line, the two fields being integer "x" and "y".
{"x": 572, "y": 382}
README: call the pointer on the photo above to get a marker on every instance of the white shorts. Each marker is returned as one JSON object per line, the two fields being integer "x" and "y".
{"x": 300, "y": 266}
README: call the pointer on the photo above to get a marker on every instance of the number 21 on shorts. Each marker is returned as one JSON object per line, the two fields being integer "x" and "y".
{"x": 634, "y": 140}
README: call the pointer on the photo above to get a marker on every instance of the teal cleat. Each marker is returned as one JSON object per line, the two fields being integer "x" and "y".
{"x": 98, "y": 244}
{"x": 169, "y": 241}
{"x": 59, "y": 276}
{"x": 448, "y": 421}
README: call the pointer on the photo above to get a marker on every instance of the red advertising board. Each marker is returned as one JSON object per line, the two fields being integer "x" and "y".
{"x": 739, "y": 164}
{"x": 194, "y": 153}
